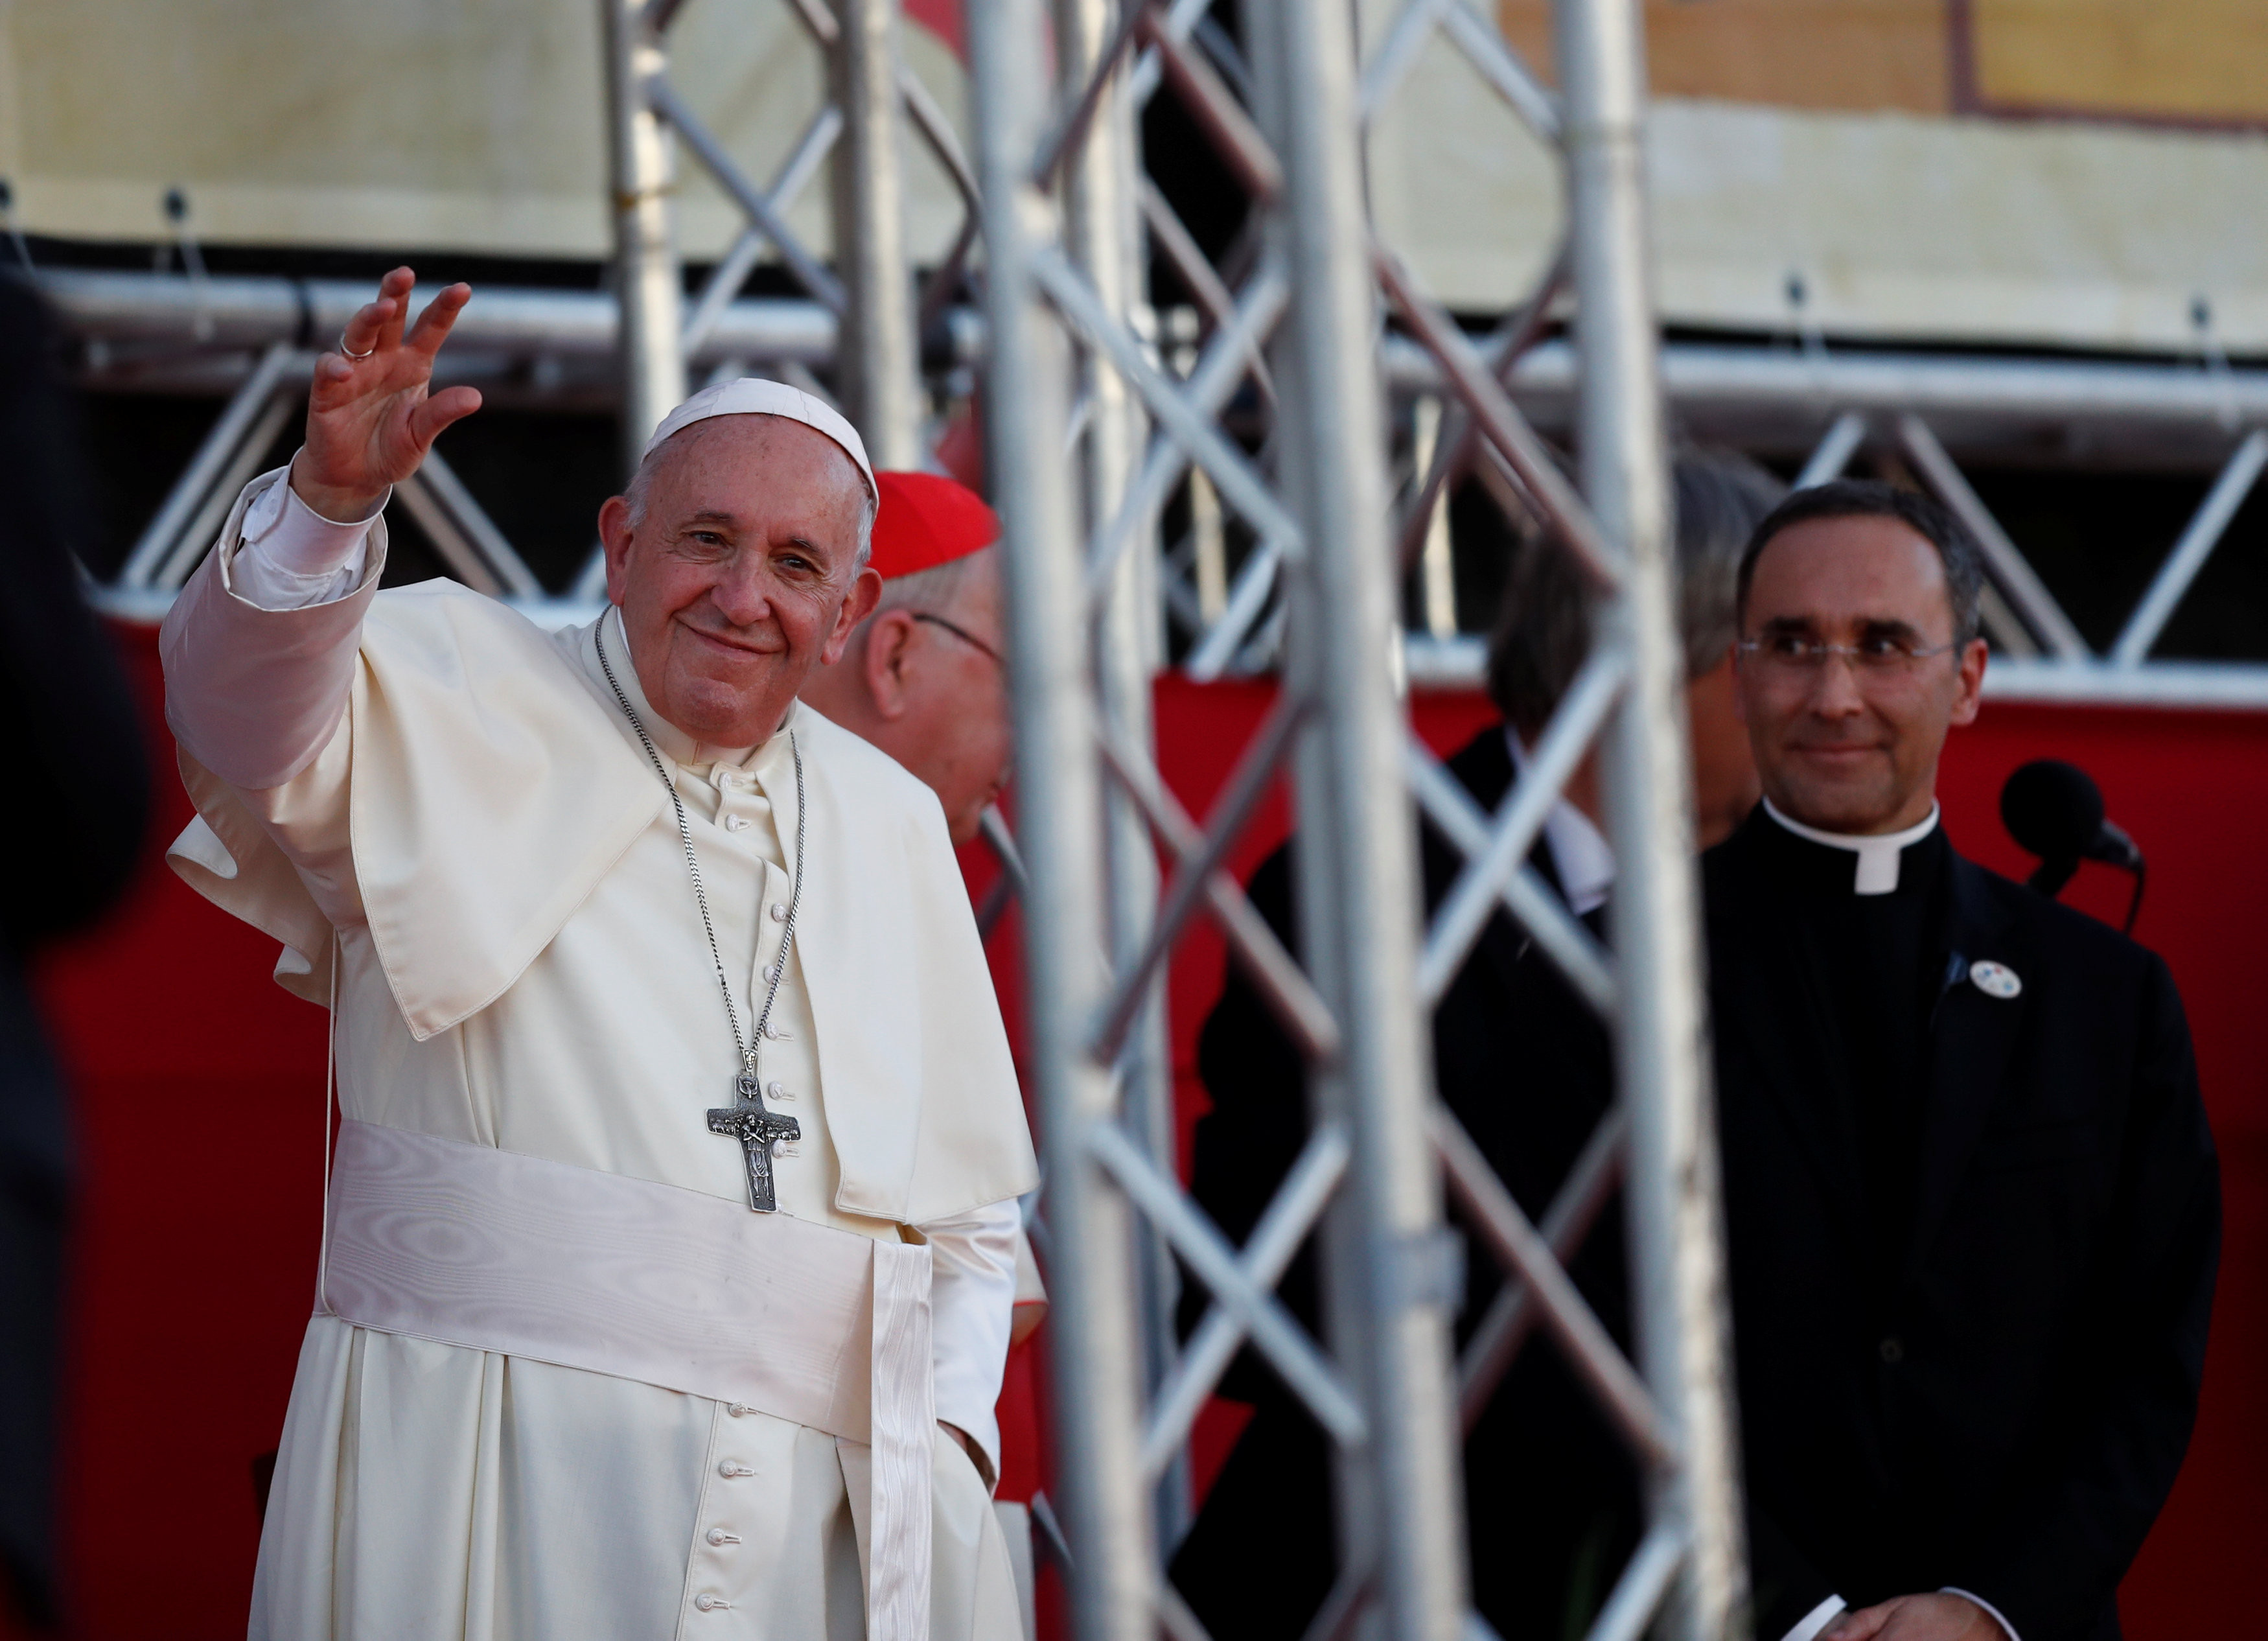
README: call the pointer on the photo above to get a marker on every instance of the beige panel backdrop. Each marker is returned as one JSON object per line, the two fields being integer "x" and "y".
{"x": 471, "y": 125}
{"x": 1902, "y": 223}
{"x": 476, "y": 125}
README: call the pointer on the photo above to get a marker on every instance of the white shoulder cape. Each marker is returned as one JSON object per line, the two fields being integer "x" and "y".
{"x": 491, "y": 790}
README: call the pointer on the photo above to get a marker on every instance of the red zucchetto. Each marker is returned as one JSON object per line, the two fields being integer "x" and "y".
{"x": 926, "y": 521}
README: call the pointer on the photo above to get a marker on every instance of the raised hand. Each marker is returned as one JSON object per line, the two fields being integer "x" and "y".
{"x": 1940, "y": 1617}
{"x": 369, "y": 421}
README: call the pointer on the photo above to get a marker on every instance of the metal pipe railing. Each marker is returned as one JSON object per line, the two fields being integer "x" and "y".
{"x": 1390, "y": 1274}
{"x": 1102, "y": 236}
{"x": 1677, "y": 1258}
{"x": 878, "y": 375}
{"x": 646, "y": 276}
{"x": 1096, "y": 1347}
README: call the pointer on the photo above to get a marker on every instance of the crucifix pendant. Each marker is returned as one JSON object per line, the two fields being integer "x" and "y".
{"x": 757, "y": 1129}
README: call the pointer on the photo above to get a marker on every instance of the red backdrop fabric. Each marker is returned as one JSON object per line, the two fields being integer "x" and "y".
{"x": 199, "y": 1097}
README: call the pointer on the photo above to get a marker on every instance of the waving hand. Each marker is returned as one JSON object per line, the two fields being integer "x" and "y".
{"x": 370, "y": 420}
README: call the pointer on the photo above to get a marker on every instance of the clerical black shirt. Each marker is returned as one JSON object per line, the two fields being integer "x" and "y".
{"x": 1971, "y": 1214}
{"x": 1876, "y": 965}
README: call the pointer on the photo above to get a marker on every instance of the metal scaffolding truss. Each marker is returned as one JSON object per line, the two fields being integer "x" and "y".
{"x": 863, "y": 317}
{"x": 272, "y": 394}
{"x": 1102, "y": 418}
{"x": 249, "y": 340}
{"x": 869, "y": 288}
{"x": 2041, "y": 654}
{"x": 1090, "y": 431}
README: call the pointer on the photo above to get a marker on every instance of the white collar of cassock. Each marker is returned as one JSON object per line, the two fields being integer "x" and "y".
{"x": 675, "y": 744}
{"x": 1878, "y": 852}
{"x": 1579, "y": 853}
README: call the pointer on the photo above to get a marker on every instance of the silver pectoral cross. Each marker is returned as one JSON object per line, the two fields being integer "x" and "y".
{"x": 757, "y": 1129}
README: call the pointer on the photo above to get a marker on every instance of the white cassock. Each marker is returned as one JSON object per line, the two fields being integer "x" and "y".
{"x": 447, "y": 803}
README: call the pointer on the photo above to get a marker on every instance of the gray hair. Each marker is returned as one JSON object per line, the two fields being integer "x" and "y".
{"x": 641, "y": 485}
{"x": 1542, "y": 633}
{"x": 936, "y": 590}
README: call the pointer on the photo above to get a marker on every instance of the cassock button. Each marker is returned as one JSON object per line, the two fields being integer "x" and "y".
{"x": 731, "y": 1470}
{"x": 772, "y": 972}
{"x": 736, "y": 823}
{"x": 777, "y": 1091}
{"x": 712, "y": 1603}
{"x": 1894, "y": 1350}
{"x": 779, "y": 912}
{"x": 718, "y": 1537}
{"x": 1995, "y": 980}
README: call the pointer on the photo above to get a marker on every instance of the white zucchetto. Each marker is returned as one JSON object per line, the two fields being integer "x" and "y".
{"x": 752, "y": 395}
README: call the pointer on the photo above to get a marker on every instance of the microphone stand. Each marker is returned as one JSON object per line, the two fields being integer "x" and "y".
{"x": 2050, "y": 876}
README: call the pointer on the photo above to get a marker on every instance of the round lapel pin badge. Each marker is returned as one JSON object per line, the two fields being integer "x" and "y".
{"x": 1995, "y": 980}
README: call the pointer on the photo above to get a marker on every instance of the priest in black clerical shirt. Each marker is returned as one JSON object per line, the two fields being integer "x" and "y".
{"x": 1971, "y": 1198}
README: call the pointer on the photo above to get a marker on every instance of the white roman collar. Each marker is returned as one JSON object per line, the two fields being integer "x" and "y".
{"x": 1877, "y": 872}
{"x": 1579, "y": 852}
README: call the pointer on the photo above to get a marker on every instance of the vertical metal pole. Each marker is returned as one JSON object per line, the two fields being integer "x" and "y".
{"x": 1097, "y": 1350}
{"x": 647, "y": 290}
{"x": 877, "y": 361}
{"x": 1101, "y": 232}
{"x": 1661, "y": 1030}
{"x": 1390, "y": 1303}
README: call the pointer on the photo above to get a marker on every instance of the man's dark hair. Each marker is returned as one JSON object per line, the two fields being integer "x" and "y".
{"x": 1543, "y": 630}
{"x": 1869, "y": 498}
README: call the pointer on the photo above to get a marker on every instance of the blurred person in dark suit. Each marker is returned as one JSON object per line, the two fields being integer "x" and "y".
{"x": 80, "y": 795}
{"x": 1972, "y": 1200}
{"x": 1551, "y": 1495}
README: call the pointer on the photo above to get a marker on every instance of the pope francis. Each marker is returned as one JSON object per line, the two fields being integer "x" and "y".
{"x": 671, "y": 1208}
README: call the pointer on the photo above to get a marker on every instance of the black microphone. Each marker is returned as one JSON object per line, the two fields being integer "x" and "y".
{"x": 2055, "y": 811}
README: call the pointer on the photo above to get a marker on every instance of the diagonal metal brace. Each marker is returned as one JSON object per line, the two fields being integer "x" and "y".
{"x": 2005, "y": 562}
{"x": 1455, "y": 453}
{"x": 1510, "y": 78}
{"x": 1588, "y": 967}
{"x": 1590, "y": 1349}
{"x": 811, "y": 273}
{"x": 1073, "y": 131}
{"x": 1299, "y": 1007}
{"x": 1473, "y": 897}
{"x": 1512, "y": 1314}
{"x": 1638, "y": 1592}
{"x": 1234, "y": 348}
{"x": 1239, "y": 141}
{"x": 1297, "y": 1202}
{"x": 1501, "y": 424}
{"x": 1232, "y": 474}
{"x": 1286, "y": 1345}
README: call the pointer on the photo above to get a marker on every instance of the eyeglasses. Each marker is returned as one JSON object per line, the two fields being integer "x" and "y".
{"x": 1886, "y": 654}
{"x": 965, "y": 635}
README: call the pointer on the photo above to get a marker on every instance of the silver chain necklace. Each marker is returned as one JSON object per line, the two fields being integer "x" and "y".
{"x": 746, "y": 1119}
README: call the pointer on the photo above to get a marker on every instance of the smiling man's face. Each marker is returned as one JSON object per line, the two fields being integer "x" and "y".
{"x": 740, "y": 573}
{"x": 1843, "y": 745}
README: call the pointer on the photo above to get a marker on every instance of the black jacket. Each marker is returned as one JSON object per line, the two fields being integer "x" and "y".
{"x": 1551, "y": 1498}
{"x": 70, "y": 831}
{"x": 2007, "y": 1416}
{"x": 2047, "y": 1331}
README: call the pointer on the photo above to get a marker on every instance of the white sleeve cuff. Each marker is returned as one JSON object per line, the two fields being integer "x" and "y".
{"x": 294, "y": 558}
{"x": 1808, "y": 1627}
{"x": 1998, "y": 1617}
{"x": 972, "y": 1304}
